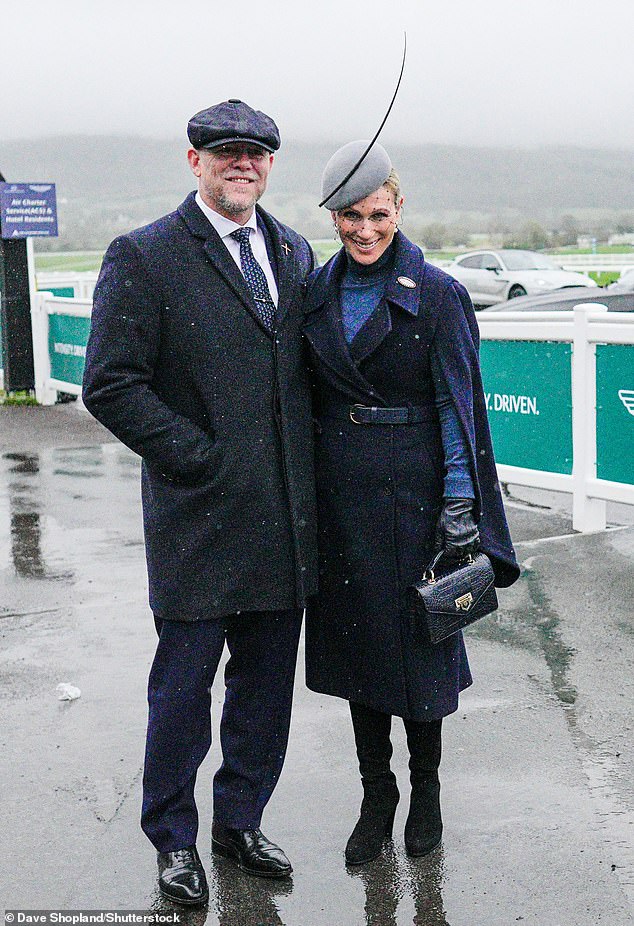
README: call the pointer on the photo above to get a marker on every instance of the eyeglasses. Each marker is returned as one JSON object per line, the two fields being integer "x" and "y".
{"x": 234, "y": 152}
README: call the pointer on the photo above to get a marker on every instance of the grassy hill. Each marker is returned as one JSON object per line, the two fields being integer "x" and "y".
{"x": 109, "y": 184}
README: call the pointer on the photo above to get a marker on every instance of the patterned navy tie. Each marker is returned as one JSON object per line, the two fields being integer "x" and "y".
{"x": 255, "y": 278}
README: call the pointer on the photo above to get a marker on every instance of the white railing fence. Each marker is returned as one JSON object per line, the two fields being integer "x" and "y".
{"x": 587, "y": 262}
{"x": 553, "y": 439}
{"x": 584, "y": 328}
{"x": 82, "y": 283}
{"x": 58, "y": 356}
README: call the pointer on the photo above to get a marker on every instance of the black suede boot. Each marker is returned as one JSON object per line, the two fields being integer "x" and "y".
{"x": 423, "y": 829}
{"x": 380, "y": 793}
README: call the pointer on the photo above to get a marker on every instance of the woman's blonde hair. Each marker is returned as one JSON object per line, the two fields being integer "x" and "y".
{"x": 393, "y": 184}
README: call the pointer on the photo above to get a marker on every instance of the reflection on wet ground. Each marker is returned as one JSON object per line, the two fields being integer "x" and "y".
{"x": 389, "y": 883}
{"x": 535, "y": 625}
{"x": 35, "y": 488}
{"x": 382, "y": 885}
{"x": 25, "y": 544}
{"x": 239, "y": 898}
{"x": 545, "y": 620}
{"x": 516, "y": 802}
{"x": 235, "y": 898}
{"x": 25, "y": 516}
{"x": 538, "y": 624}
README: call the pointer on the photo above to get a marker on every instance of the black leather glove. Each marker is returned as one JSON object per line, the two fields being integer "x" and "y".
{"x": 456, "y": 532}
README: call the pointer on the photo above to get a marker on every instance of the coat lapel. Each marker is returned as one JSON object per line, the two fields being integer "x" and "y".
{"x": 324, "y": 330}
{"x": 372, "y": 334}
{"x": 402, "y": 290}
{"x": 218, "y": 255}
{"x": 282, "y": 259}
{"x": 323, "y": 325}
{"x": 404, "y": 284}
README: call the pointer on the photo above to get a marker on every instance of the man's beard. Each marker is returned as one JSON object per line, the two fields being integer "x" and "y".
{"x": 235, "y": 207}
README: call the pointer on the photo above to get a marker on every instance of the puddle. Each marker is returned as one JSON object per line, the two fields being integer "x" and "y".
{"x": 545, "y": 620}
{"x": 600, "y": 768}
{"x": 43, "y": 500}
{"x": 26, "y": 547}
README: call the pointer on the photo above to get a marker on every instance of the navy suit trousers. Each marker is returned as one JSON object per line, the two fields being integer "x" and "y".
{"x": 259, "y": 679}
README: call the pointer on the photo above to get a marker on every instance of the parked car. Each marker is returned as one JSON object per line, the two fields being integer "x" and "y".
{"x": 495, "y": 276}
{"x": 565, "y": 301}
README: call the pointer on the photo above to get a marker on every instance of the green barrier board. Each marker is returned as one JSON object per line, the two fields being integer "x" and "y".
{"x": 528, "y": 390}
{"x": 67, "y": 339}
{"x": 65, "y": 291}
{"x": 615, "y": 412}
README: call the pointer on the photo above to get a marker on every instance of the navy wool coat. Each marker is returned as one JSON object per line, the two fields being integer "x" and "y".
{"x": 380, "y": 487}
{"x": 181, "y": 370}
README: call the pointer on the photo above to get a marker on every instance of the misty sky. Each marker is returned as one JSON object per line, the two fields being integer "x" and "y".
{"x": 481, "y": 72}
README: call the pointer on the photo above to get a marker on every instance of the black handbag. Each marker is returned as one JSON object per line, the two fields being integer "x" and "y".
{"x": 455, "y": 599}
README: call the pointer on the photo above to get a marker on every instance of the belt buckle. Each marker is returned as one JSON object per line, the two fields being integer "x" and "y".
{"x": 352, "y": 408}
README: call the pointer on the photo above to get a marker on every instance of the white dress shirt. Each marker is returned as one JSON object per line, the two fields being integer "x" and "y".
{"x": 225, "y": 227}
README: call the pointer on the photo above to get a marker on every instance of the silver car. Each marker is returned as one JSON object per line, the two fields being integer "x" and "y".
{"x": 495, "y": 276}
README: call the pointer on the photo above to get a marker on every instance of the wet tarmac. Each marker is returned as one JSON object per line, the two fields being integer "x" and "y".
{"x": 538, "y": 787}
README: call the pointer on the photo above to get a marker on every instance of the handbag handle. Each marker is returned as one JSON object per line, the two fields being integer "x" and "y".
{"x": 430, "y": 569}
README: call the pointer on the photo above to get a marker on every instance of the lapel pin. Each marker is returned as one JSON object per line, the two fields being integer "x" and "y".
{"x": 406, "y": 282}
{"x": 286, "y": 249}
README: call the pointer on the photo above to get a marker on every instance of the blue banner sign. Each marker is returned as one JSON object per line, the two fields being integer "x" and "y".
{"x": 28, "y": 210}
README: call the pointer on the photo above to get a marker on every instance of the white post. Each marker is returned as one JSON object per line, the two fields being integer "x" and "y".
{"x": 30, "y": 264}
{"x": 33, "y": 297}
{"x": 44, "y": 394}
{"x": 588, "y": 514}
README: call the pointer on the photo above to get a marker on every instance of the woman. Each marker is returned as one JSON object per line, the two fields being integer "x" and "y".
{"x": 404, "y": 466}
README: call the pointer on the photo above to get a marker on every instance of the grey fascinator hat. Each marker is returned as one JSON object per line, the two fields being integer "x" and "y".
{"x": 369, "y": 175}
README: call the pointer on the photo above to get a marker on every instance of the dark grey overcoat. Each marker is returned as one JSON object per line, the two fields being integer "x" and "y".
{"x": 180, "y": 369}
{"x": 380, "y": 487}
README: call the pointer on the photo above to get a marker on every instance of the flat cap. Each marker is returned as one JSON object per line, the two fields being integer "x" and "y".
{"x": 368, "y": 177}
{"x": 232, "y": 121}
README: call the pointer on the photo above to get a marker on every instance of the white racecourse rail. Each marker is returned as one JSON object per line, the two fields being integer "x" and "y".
{"x": 584, "y": 327}
{"x": 81, "y": 283}
{"x": 43, "y": 307}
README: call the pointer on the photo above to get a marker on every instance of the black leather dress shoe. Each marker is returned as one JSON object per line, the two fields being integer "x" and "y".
{"x": 182, "y": 876}
{"x": 251, "y": 850}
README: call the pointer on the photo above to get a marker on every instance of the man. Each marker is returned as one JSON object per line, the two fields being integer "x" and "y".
{"x": 195, "y": 363}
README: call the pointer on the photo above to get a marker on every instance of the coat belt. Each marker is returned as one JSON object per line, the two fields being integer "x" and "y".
{"x": 366, "y": 414}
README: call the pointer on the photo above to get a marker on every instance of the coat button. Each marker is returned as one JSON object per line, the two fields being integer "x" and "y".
{"x": 388, "y": 490}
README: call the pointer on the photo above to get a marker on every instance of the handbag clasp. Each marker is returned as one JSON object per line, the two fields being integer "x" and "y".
{"x": 464, "y": 602}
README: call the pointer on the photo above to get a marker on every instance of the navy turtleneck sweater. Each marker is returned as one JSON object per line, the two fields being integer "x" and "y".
{"x": 362, "y": 288}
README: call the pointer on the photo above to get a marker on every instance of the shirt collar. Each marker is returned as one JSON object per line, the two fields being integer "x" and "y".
{"x": 223, "y": 225}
